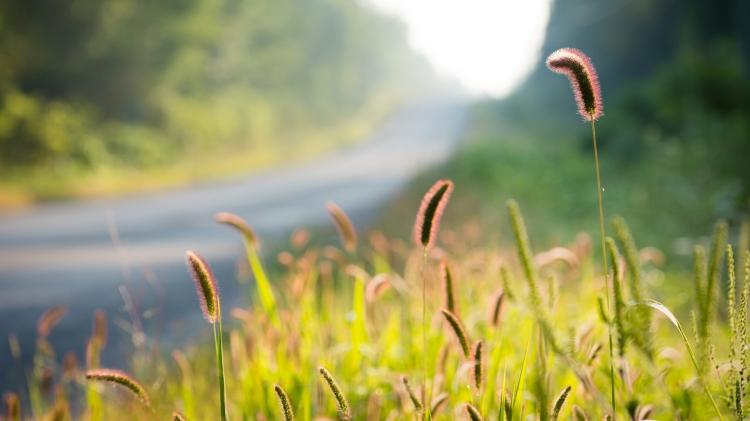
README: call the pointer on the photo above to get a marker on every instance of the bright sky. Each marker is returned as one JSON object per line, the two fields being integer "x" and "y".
{"x": 487, "y": 45}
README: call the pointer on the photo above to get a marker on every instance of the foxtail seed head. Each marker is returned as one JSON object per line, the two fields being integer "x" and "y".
{"x": 497, "y": 308}
{"x": 343, "y": 405}
{"x": 376, "y": 286}
{"x": 286, "y": 407}
{"x": 438, "y": 402}
{"x": 577, "y": 67}
{"x": 344, "y": 226}
{"x": 445, "y": 273}
{"x": 559, "y": 402}
{"x": 458, "y": 330}
{"x": 412, "y": 396}
{"x": 240, "y": 225}
{"x": 49, "y": 319}
{"x": 121, "y": 379}
{"x": 430, "y": 212}
{"x": 473, "y": 412}
{"x": 100, "y": 328}
{"x": 477, "y": 357}
{"x": 205, "y": 284}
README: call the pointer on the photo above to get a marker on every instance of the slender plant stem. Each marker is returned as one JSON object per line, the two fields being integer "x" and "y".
{"x": 425, "y": 395}
{"x": 220, "y": 367}
{"x": 602, "y": 235}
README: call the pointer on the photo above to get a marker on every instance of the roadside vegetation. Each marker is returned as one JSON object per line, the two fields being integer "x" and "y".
{"x": 447, "y": 325}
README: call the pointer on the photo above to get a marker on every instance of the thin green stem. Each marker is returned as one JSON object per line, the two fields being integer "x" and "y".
{"x": 220, "y": 367}
{"x": 426, "y": 395}
{"x": 602, "y": 235}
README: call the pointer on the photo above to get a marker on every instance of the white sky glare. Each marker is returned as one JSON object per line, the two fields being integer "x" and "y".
{"x": 489, "y": 46}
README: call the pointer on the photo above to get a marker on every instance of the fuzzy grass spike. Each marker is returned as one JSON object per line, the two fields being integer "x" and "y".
{"x": 341, "y": 401}
{"x": 344, "y": 226}
{"x": 121, "y": 379}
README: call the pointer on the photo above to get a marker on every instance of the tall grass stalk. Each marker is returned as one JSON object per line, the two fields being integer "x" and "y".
{"x": 425, "y": 232}
{"x": 579, "y": 70}
{"x": 605, "y": 269}
{"x": 208, "y": 294}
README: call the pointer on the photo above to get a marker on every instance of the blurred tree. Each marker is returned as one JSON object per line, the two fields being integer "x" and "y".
{"x": 91, "y": 83}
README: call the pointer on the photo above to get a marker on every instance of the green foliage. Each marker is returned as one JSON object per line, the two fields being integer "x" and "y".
{"x": 92, "y": 92}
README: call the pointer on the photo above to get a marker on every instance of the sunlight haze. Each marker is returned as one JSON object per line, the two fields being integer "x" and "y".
{"x": 487, "y": 45}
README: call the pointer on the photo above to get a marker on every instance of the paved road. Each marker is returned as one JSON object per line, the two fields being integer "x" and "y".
{"x": 64, "y": 254}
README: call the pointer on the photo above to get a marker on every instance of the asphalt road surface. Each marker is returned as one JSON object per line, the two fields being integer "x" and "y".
{"x": 80, "y": 254}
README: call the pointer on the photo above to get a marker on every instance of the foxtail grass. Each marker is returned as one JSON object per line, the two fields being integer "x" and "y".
{"x": 459, "y": 331}
{"x": 707, "y": 273}
{"x": 447, "y": 278}
{"x": 252, "y": 245}
{"x": 286, "y": 406}
{"x": 418, "y": 407}
{"x": 121, "y": 379}
{"x": 525, "y": 257}
{"x": 49, "y": 319}
{"x": 641, "y": 333}
{"x": 208, "y": 294}
{"x": 497, "y": 308}
{"x": 619, "y": 307}
{"x": 579, "y": 70}
{"x": 344, "y": 226}
{"x": 577, "y": 67}
{"x": 430, "y": 213}
{"x": 473, "y": 412}
{"x": 344, "y": 409}
{"x": 438, "y": 401}
{"x": 559, "y": 402}
{"x": 424, "y": 233}
{"x": 476, "y": 356}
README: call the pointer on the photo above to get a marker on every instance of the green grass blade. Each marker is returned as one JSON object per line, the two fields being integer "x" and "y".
{"x": 265, "y": 292}
{"x": 661, "y": 308}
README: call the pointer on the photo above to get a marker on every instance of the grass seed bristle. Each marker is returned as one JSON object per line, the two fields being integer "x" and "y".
{"x": 412, "y": 396}
{"x": 497, "y": 307}
{"x": 477, "y": 357}
{"x": 559, "y": 402}
{"x": 447, "y": 277}
{"x": 377, "y": 286}
{"x": 121, "y": 379}
{"x": 205, "y": 284}
{"x": 236, "y": 222}
{"x": 430, "y": 213}
{"x": 473, "y": 412}
{"x": 286, "y": 407}
{"x": 100, "y": 328}
{"x": 49, "y": 319}
{"x": 343, "y": 404}
{"x": 344, "y": 226}
{"x": 577, "y": 67}
{"x": 458, "y": 330}
{"x": 437, "y": 402}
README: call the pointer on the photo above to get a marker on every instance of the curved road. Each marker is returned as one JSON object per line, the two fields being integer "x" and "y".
{"x": 79, "y": 254}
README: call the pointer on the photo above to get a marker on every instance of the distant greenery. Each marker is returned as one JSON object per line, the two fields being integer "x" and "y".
{"x": 109, "y": 95}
